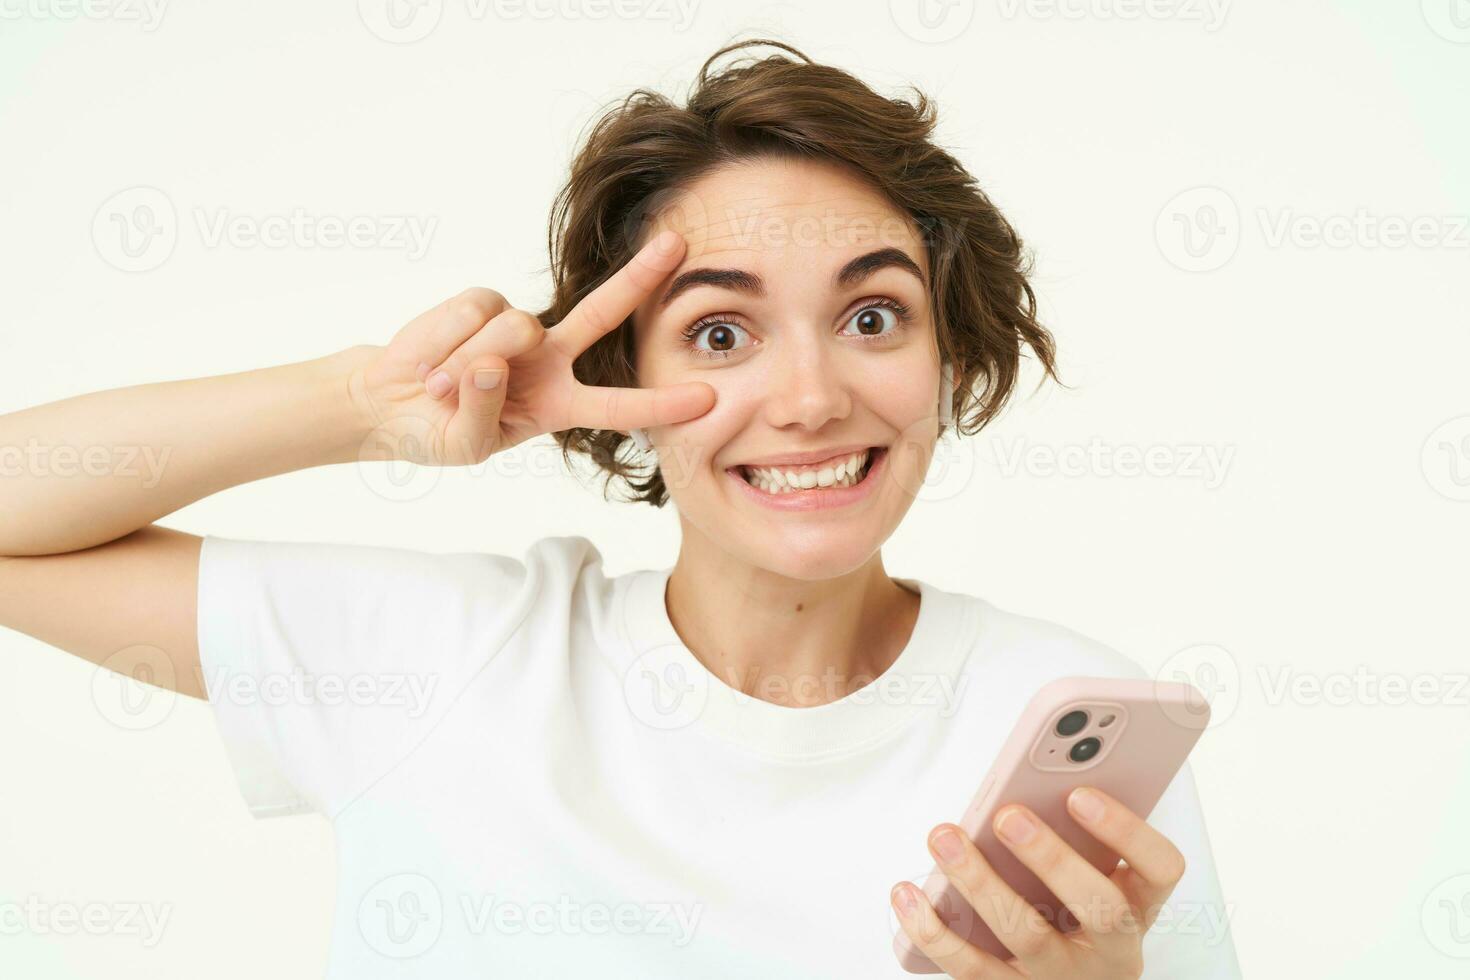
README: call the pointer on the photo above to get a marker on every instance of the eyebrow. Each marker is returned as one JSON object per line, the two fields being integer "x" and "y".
{"x": 739, "y": 280}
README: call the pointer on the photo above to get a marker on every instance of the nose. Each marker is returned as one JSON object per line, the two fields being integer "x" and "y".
{"x": 805, "y": 387}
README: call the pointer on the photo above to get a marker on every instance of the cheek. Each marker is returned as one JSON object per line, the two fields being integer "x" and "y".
{"x": 908, "y": 405}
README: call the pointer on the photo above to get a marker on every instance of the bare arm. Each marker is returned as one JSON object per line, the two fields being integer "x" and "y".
{"x": 87, "y": 470}
{"x": 124, "y": 603}
{"x": 82, "y": 480}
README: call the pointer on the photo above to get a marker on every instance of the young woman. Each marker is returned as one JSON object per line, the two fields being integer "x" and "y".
{"x": 769, "y": 304}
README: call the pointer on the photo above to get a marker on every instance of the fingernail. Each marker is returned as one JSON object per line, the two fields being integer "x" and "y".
{"x": 422, "y": 371}
{"x": 1016, "y": 827}
{"x": 1086, "y": 804}
{"x": 487, "y": 378}
{"x": 948, "y": 846}
{"x": 904, "y": 899}
{"x": 439, "y": 384}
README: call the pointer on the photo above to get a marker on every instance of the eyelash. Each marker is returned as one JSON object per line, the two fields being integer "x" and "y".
{"x": 902, "y": 310}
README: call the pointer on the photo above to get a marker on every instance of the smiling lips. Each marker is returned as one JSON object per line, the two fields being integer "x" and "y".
{"x": 843, "y": 471}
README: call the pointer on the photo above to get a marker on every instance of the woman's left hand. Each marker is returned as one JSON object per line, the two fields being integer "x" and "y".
{"x": 1113, "y": 910}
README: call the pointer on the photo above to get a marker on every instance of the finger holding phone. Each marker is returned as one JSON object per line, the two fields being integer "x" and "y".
{"x": 1114, "y": 911}
{"x": 1028, "y": 882}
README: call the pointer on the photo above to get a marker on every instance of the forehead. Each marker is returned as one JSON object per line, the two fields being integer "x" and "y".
{"x": 779, "y": 214}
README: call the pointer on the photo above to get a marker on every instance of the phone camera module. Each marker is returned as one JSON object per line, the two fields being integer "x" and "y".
{"x": 1071, "y": 723}
{"x": 1084, "y": 749}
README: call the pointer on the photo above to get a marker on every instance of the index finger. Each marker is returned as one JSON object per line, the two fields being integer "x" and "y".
{"x": 1155, "y": 865}
{"x": 611, "y": 303}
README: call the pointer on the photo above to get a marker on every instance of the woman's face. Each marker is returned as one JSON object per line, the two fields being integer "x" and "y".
{"x": 802, "y": 300}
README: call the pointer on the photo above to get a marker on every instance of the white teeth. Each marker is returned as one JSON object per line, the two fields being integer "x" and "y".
{"x": 842, "y": 474}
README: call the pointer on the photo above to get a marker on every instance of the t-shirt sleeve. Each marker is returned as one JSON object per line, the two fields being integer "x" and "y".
{"x": 1191, "y": 938}
{"x": 326, "y": 664}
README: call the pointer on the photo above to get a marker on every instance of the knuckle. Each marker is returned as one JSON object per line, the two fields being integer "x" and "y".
{"x": 1046, "y": 853}
{"x": 474, "y": 306}
{"x": 1028, "y": 937}
{"x": 483, "y": 298}
{"x": 1113, "y": 913}
{"x": 523, "y": 326}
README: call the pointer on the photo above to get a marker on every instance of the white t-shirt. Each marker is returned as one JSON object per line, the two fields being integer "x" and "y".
{"x": 529, "y": 775}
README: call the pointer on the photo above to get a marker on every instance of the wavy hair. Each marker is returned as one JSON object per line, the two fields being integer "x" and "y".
{"x": 645, "y": 149}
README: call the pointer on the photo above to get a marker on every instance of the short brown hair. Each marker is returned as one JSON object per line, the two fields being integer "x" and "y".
{"x": 645, "y": 149}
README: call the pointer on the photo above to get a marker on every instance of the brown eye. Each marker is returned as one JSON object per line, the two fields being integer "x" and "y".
{"x": 871, "y": 320}
{"x": 722, "y": 335}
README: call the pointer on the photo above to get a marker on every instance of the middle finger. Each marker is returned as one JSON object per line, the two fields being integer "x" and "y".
{"x": 509, "y": 334}
{"x": 1015, "y": 921}
{"x": 1099, "y": 906}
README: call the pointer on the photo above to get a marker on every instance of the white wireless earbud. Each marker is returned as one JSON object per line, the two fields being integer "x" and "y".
{"x": 640, "y": 438}
{"x": 946, "y": 394}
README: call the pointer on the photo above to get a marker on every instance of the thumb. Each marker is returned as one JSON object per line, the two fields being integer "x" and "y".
{"x": 473, "y": 433}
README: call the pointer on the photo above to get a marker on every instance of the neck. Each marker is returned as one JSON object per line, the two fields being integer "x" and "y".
{"x": 785, "y": 640}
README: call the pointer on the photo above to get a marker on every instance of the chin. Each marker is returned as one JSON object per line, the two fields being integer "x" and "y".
{"x": 815, "y": 555}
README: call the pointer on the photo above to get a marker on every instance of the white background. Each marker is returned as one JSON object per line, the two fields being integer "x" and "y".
{"x": 1326, "y": 554}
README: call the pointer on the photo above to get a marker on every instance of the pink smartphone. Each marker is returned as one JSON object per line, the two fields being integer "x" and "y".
{"x": 1126, "y": 737}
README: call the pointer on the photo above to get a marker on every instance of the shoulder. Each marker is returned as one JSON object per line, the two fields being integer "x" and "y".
{"x": 1008, "y": 640}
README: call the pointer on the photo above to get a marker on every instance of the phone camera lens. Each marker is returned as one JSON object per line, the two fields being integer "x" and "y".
{"x": 1085, "y": 749}
{"x": 1071, "y": 723}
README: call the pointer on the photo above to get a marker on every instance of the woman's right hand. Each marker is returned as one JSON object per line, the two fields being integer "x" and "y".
{"x": 423, "y": 397}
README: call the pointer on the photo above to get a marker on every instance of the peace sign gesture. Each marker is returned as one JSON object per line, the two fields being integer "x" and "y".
{"x": 474, "y": 376}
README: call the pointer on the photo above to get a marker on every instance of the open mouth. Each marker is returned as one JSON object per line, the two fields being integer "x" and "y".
{"x": 843, "y": 472}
